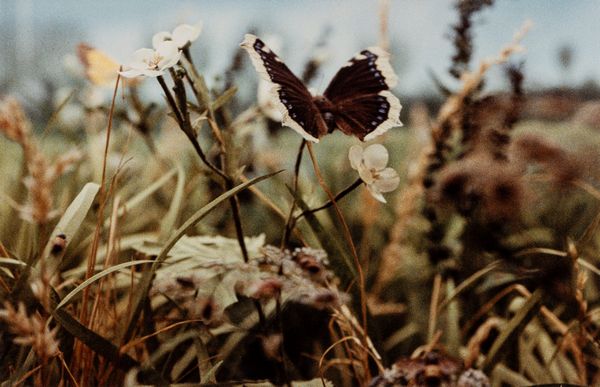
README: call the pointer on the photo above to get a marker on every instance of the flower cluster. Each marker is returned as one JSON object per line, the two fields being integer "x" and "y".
{"x": 166, "y": 52}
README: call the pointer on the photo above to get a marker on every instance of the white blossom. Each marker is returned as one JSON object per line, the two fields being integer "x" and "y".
{"x": 371, "y": 165}
{"x": 153, "y": 62}
{"x": 181, "y": 35}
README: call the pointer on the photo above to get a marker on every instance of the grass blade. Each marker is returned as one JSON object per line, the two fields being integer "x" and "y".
{"x": 147, "y": 192}
{"x": 170, "y": 220}
{"x": 512, "y": 330}
{"x": 94, "y": 341}
{"x": 74, "y": 216}
{"x": 96, "y": 277}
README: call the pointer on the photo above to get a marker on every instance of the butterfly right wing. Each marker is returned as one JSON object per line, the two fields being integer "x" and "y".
{"x": 290, "y": 95}
{"x": 361, "y": 94}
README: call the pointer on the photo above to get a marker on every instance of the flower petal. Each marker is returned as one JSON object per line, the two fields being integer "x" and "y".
{"x": 131, "y": 73}
{"x": 152, "y": 73}
{"x": 143, "y": 55}
{"x": 186, "y": 33}
{"x": 365, "y": 174}
{"x": 160, "y": 37}
{"x": 355, "y": 154}
{"x": 375, "y": 156}
{"x": 169, "y": 54}
{"x": 387, "y": 181}
{"x": 375, "y": 193}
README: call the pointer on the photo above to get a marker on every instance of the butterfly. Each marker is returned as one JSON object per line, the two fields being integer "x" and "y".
{"x": 100, "y": 69}
{"x": 357, "y": 101}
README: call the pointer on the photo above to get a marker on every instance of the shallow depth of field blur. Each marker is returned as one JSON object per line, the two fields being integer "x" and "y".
{"x": 170, "y": 231}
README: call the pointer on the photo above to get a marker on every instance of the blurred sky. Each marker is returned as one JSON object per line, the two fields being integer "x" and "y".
{"x": 35, "y": 35}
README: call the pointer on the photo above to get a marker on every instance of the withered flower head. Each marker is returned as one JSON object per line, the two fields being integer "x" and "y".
{"x": 563, "y": 167}
{"x": 486, "y": 189}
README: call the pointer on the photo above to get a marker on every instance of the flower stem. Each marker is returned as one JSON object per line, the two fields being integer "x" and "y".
{"x": 337, "y": 198}
{"x": 182, "y": 118}
{"x": 291, "y": 221}
{"x": 170, "y": 99}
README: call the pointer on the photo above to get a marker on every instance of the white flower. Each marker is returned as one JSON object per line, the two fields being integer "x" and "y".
{"x": 152, "y": 63}
{"x": 181, "y": 35}
{"x": 371, "y": 166}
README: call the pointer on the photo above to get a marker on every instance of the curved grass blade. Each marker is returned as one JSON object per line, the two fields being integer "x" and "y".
{"x": 94, "y": 341}
{"x": 141, "y": 292}
{"x": 514, "y": 327}
{"x": 67, "y": 226}
{"x": 71, "y": 221}
{"x": 96, "y": 277}
{"x": 466, "y": 284}
{"x": 11, "y": 261}
{"x": 169, "y": 221}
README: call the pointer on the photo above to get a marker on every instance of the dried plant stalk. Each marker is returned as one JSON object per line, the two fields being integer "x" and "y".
{"x": 42, "y": 174}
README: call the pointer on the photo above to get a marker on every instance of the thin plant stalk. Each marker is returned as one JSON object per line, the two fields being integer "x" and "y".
{"x": 329, "y": 203}
{"x": 348, "y": 236}
{"x": 291, "y": 221}
{"x": 103, "y": 199}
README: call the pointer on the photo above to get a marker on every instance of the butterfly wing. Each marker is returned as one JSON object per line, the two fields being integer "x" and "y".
{"x": 291, "y": 97}
{"x": 360, "y": 92}
{"x": 100, "y": 69}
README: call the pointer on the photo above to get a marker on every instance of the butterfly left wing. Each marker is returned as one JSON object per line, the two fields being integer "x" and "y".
{"x": 100, "y": 69}
{"x": 360, "y": 93}
{"x": 290, "y": 95}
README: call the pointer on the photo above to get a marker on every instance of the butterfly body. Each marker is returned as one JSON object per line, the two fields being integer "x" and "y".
{"x": 357, "y": 101}
{"x": 328, "y": 111}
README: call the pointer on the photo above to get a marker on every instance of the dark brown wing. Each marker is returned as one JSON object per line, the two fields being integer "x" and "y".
{"x": 360, "y": 93}
{"x": 368, "y": 116}
{"x": 291, "y": 96}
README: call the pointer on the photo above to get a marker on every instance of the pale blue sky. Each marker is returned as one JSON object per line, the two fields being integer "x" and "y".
{"x": 418, "y": 28}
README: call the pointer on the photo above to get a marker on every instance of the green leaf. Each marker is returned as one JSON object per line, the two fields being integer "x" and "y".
{"x": 141, "y": 292}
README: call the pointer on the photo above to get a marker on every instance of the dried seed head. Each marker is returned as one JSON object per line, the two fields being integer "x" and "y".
{"x": 30, "y": 330}
{"x": 489, "y": 190}
{"x": 429, "y": 369}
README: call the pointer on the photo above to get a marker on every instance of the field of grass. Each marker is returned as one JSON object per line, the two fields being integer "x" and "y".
{"x": 198, "y": 242}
